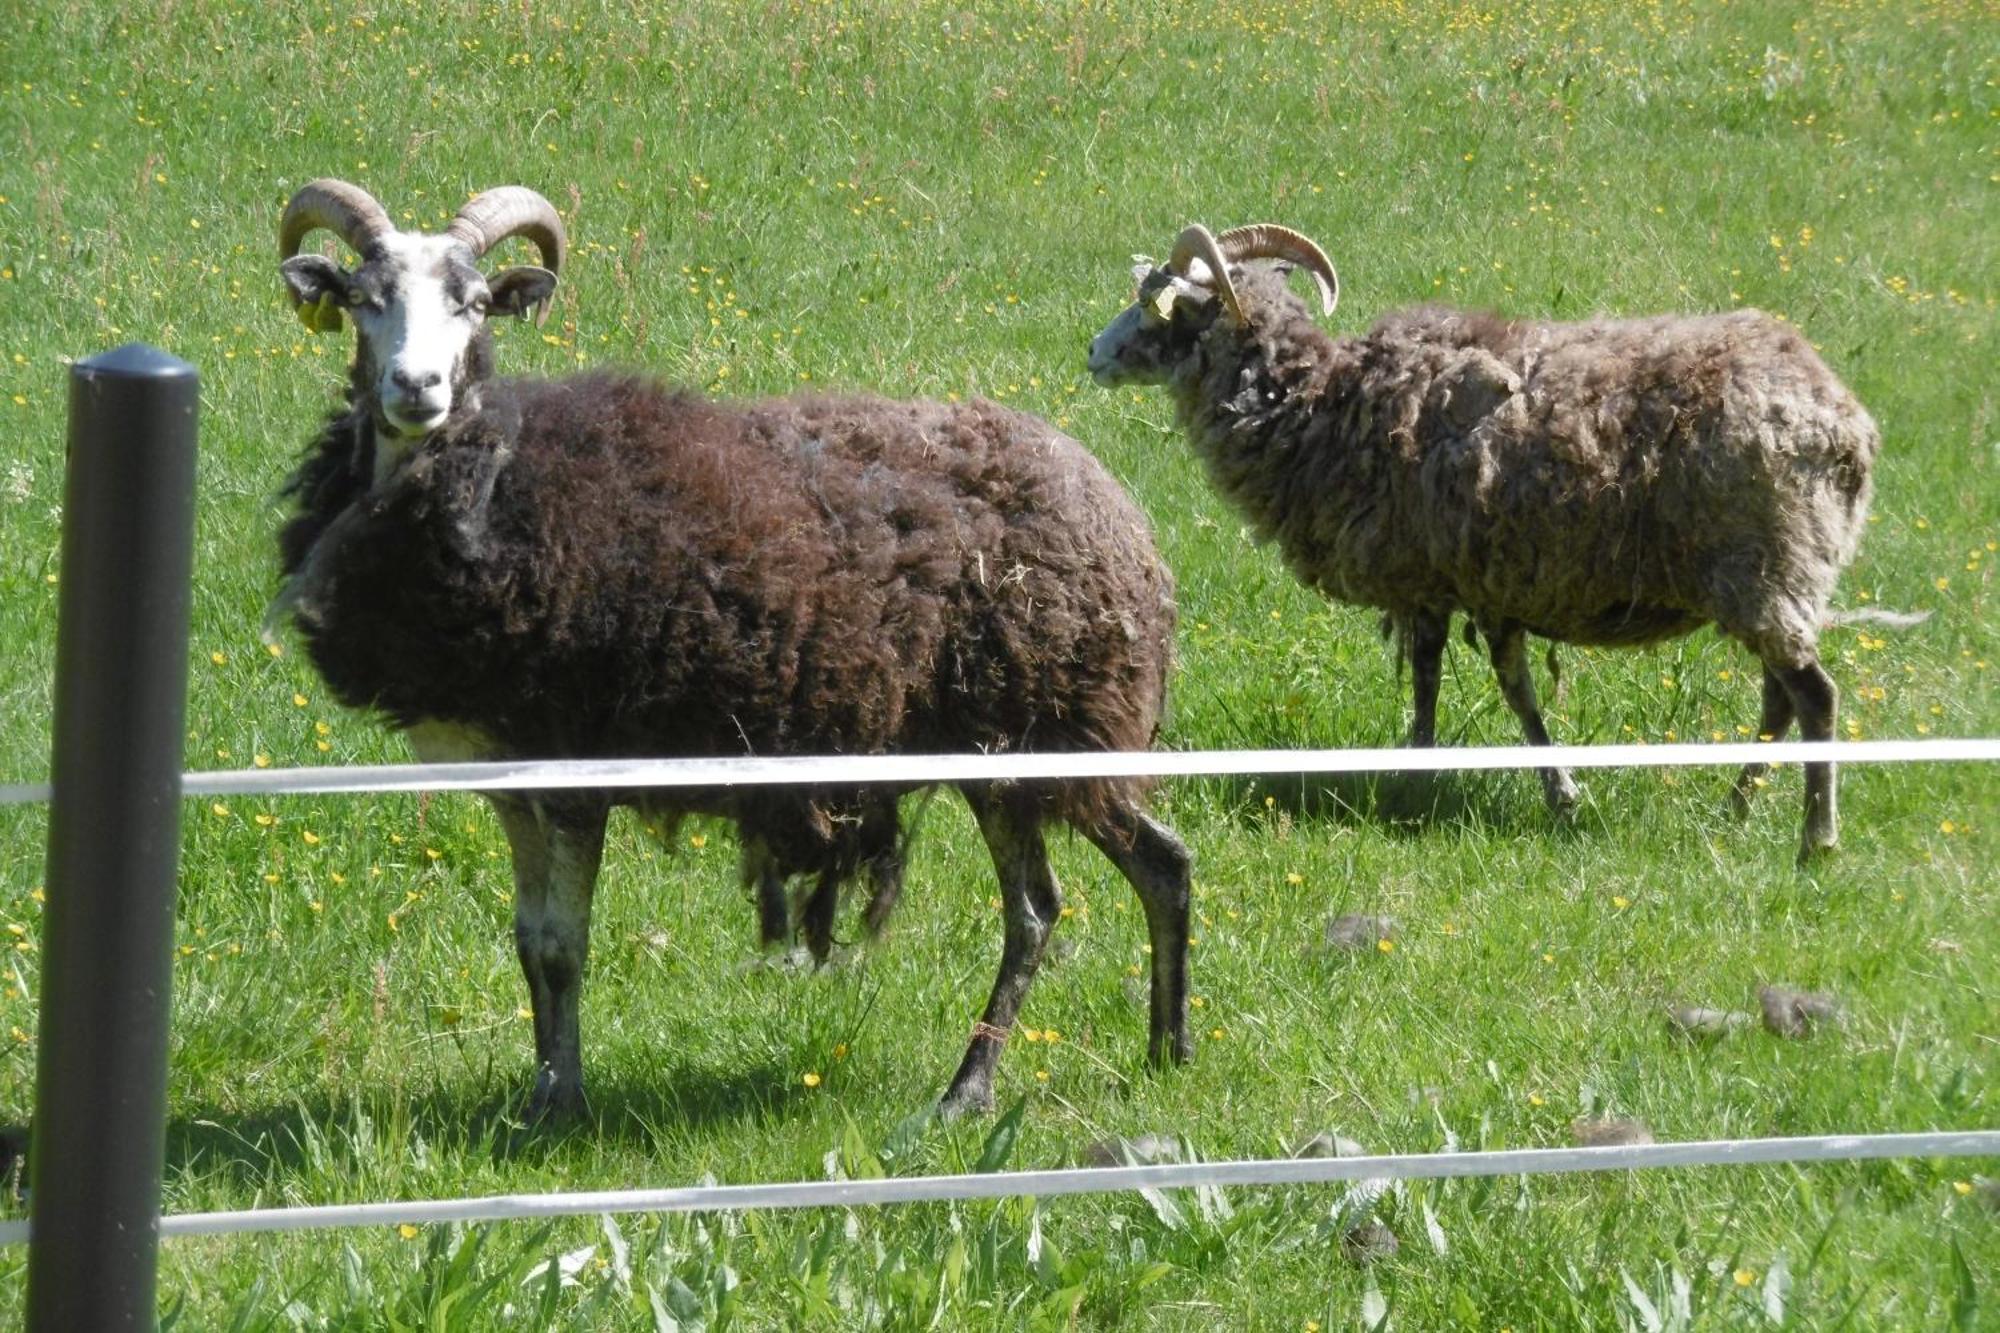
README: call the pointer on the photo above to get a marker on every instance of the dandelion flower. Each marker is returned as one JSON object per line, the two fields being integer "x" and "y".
{"x": 810, "y": 1079}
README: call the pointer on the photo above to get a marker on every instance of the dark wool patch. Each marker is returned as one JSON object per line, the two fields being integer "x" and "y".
{"x": 1602, "y": 482}
{"x": 598, "y": 567}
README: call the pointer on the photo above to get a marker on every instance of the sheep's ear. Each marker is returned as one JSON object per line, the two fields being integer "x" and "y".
{"x": 1181, "y": 291}
{"x": 319, "y": 290}
{"x": 519, "y": 291}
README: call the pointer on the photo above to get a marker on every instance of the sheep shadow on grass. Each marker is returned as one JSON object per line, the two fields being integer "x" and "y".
{"x": 1409, "y": 803}
{"x": 369, "y": 1133}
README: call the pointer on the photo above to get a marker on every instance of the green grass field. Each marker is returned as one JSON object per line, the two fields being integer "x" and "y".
{"x": 937, "y": 200}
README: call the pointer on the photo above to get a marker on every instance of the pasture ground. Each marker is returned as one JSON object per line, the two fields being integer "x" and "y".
{"x": 924, "y": 199}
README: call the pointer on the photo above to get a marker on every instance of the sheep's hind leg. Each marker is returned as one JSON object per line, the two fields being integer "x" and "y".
{"x": 885, "y": 885}
{"x": 557, "y": 847}
{"x": 1517, "y": 686}
{"x": 766, "y": 884}
{"x": 1817, "y": 701}
{"x": 882, "y": 844}
{"x": 887, "y": 843}
{"x": 1428, "y": 633}
{"x": 1030, "y": 903}
{"x": 1157, "y": 863}
{"x": 1771, "y": 726}
{"x": 816, "y": 919}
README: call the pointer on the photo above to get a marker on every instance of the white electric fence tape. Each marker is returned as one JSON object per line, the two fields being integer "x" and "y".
{"x": 919, "y": 770}
{"x": 1084, "y": 1180}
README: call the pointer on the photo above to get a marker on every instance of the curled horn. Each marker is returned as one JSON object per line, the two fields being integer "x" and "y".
{"x": 491, "y": 216}
{"x": 348, "y": 211}
{"x": 1197, "y": 243}
{"x": 1267, "y": 240}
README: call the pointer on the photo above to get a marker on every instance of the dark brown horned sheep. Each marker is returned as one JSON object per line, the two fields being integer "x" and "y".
{"x": 598, "y": 567}
{"x": 1616, "y": 481}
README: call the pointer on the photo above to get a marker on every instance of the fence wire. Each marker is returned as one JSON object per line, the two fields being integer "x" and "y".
{"x": 919, "y": 770}
{"x": 1082, "y": 1180}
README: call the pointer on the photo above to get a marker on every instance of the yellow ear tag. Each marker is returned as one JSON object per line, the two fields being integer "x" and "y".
{"x": 1163, "y": 303}
{"x": 321, "y": 316}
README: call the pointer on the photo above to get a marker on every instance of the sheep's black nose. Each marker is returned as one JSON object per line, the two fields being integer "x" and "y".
{"x": 409, "y": 383}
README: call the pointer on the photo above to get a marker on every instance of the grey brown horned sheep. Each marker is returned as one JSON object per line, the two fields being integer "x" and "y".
{"x": 1612, "y": 482}
{"x": 599, "y": 567}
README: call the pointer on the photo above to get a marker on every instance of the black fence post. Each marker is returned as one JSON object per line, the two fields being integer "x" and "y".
{"x": 114, "y": 842}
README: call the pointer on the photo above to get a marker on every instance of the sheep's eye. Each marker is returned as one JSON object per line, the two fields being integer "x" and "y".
{"x": 479, "y": 304}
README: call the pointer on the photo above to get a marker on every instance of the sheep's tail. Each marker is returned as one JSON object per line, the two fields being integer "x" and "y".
{"x": 281, "y": 609}
{"x": 1875, "y": 615}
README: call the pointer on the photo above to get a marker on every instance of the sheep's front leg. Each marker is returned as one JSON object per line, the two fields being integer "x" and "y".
{"x": 1158, "y": 866}
{"x": 1817, "y": 700}
{"x": 1771, "y": 726}
{"x": 1030, "y": 903}
{"x": 557, "y": 847}
{"x": 1517, "y": 686}
{"x": 1428, "y": 633}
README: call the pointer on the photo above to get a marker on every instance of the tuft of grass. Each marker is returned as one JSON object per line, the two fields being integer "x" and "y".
{"x": 925, "y": 199}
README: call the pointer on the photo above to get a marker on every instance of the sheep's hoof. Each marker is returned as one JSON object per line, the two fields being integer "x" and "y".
{"x": 553, "y": 1101}
{"x": 875, "y": 917}
{"x": 972, "y": 1097}
{"x": 1560, "y": 790}
{"x": 1817, "y": 846}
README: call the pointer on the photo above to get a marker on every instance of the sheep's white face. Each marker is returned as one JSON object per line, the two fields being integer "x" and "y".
{"x": 1153, "y": 338}
{"x": 418, "y": 305}
{"x": 417, "y": 326}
